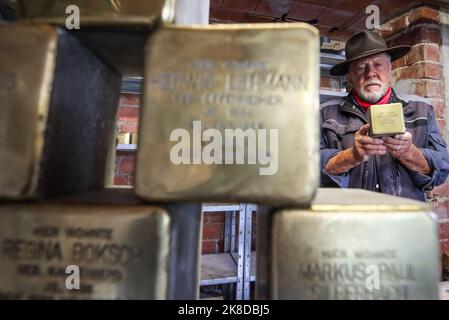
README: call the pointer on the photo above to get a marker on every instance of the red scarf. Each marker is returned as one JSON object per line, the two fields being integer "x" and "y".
{"x": 365, "y": 105}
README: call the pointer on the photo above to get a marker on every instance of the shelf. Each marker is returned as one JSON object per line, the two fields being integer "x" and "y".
{"x": 133, "y": 85}
{"x": 126, "y": 147}
{"x": 220, "y": 207}
{"x": 326, "y": 95}
{"x": 218, "y": 268}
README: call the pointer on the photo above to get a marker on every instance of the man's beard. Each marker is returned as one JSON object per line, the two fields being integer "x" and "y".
{"x": 374, "y": 96}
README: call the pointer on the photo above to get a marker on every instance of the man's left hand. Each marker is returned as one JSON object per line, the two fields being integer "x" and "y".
{"x": 400, "y": 146}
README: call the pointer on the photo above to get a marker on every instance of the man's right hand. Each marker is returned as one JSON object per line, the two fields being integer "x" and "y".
{"x": 365, "y": 146}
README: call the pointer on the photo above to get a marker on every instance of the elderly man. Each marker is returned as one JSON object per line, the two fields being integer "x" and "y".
{"x": 406, "y": 164}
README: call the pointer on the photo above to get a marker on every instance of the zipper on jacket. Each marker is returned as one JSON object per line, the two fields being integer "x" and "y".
{"x": 395, "y": 177}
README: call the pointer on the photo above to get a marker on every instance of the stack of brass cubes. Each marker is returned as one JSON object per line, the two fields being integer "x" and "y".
{"x": 230, "y": 114}
{"x": 59, "y": 93}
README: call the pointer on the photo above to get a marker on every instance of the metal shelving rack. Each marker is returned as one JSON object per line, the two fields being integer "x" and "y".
{"x": 236, "y": 264}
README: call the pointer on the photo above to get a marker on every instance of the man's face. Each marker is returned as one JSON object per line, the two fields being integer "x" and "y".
{"x": 370, "y": 76}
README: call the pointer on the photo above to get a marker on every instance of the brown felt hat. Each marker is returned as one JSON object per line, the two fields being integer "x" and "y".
{"x": 364, "y": 44}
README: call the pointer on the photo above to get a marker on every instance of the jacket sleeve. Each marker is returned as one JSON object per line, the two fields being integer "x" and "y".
{"x": 328, "y": 180}
{"x": 436, "y": 155}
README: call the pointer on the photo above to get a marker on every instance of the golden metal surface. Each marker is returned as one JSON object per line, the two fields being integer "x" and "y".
{"x": 27, "y": 62}
{"x": 57, "y": 121}
{"x": 355, "y": 254}
{"x": 335, "y": 199}
{"x": 135, "y": 138}
{"x": 122, "y": 251}
{"x": 253, "y": 77}
{"x": 124, "y": 138}
{"x": 99, "y": 12}
{"x": 386, "y": 119}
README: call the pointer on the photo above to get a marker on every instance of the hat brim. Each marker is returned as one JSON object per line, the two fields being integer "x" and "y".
{"x": 395, "y": 53}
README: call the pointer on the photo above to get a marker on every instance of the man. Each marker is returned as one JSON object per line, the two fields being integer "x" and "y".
{"x": 406, "y": 164}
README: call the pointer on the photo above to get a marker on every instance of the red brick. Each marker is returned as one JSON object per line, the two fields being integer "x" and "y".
{"x": 129, "y": 100}
{"x": 218, "y": 217}
{"x": 126, "y": 165}
{"x": 416, "y": 16}
{"x": 213, "y": 231}
{"x": 121, "y": 181}
{"x": 424, "y": 52}
{"x": 429, "y": 89}
{"x": 420, "y": 70}
{"x": 130, "y": 127}
{"x": 444, "y": 231}
{"x": 401, "y": 62}
{"x": 128, "y": 113}
{"x": 209, "y": 246}
{"x": 392, "y": 27}
{"x": 419, "y": 34}
{"x": 424, "y": 15}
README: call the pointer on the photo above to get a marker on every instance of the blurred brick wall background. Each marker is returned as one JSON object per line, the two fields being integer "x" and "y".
{"x": 127, "y": 122}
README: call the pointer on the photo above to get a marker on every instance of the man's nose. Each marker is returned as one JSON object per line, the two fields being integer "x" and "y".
{"x": 370, "y": 71}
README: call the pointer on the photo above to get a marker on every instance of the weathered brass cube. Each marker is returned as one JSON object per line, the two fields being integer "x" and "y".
{"x": 97, "y": 12}
{"x": 230, "y": 114}
{"x": 386, "y": 120}
{"x": 355, "y": 244}
{"x": 122, "y": 248}
{"x": 115, "y": 30}
{"x": 58, "y": 105}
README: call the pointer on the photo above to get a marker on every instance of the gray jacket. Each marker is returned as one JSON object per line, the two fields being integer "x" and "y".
{"x": 340, "y": 121}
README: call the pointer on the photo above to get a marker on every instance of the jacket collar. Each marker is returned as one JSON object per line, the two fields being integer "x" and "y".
{"x": 349, "y": 105}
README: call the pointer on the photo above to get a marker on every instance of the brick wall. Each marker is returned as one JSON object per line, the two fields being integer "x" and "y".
{"x": 127, "y": 122}
{"x": 421, "y": 73}
{"x": 213, "y": 232}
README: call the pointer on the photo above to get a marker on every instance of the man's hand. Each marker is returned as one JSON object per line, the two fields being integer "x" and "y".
{"x": 365, "y": 146}
{"x": 400, "y": 146}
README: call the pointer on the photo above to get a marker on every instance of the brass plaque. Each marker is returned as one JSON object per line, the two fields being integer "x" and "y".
{"x": 230, "y": 117}
{"x": 124, "y": 138}
{"x": 56, "y": 120}
{"x": 98, "y": 12}
{"x": 135, "y": 138}
{"x": 389, "y": 252}
{"x": 27, "y": 62}
{"x": 386, "y": 119}
{"x": 121, "y": 251}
